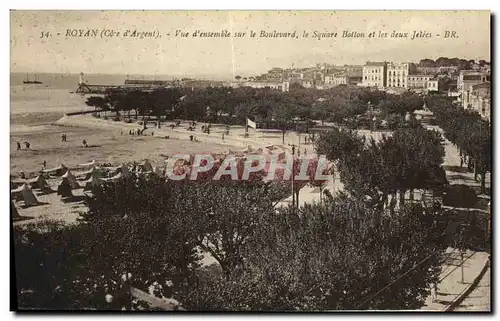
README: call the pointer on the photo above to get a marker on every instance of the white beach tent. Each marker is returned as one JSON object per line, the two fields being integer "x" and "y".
{"x": 248, "y": 149}
{"x": 146, "y": 166}
{"x": 39, "y": 182}
{"x": 25, "y": 193}
{"x": 71, "y": 179}
{"x": 90, "y": 183}
{"x": 91, "y": 164}
{"x": 115, "y": 178}
{"x": 13, "y": 210}
{"x": 159, "y": 170}
{"x": 95, "y": 171}
{"x": 57, "y": 171}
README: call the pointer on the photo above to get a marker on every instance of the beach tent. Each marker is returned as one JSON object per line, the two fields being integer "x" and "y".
{"x": 124, "y": 170}
{"x": 17, "y": 193}
{"x": 146, "y": 166}
{"x": 91, "y": 183}
{"x": 39, "y": 182}
{"x": 94, "y": 171}
{"x": 91, "y": 164}
{"x": 248, "y": 149}
{"x": 115, "y": 178}
{"x": 13, "y": 210}
{"x": 17, "y": 183}
{"x": 64, "y": 188}
{"x": 71, "y": 179}
{"x": 26, "y": 194}
{"x": 159, "y": 170}
{"x": 57, "y": 171}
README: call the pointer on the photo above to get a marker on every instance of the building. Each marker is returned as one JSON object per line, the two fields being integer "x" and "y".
{"x": 337, "y": 79}
{"x": 278, "y": 85}
{"x": 397, "y": 74}
{"x": 418, "y": 81}
{"x": 468, "y": 79}
{"x": 374, "y": 74}
{"x": 433, "y": 85}
{"x": 478, "y": 98}
{"x": 355, "y": 79}
{"x": 351, "y": 69}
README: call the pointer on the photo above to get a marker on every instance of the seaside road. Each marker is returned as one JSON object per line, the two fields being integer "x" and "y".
{"x": 480, "y": 298}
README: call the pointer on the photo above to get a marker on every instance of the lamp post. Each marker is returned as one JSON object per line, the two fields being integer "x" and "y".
{"x": 293, "y": 178}
{"x": 370, "y": 115}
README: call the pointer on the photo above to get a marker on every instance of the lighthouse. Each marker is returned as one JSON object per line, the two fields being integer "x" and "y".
{"x": 80, "y": 79}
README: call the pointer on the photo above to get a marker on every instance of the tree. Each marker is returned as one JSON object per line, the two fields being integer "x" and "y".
{"x": 333, "y": 256}
{"x": 98, "y": 102}
{"x": 470, "y": 133}
{"x": 409, "y": 159}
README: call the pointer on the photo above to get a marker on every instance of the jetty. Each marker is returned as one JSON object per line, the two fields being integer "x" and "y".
{"x": 129, "y": 85}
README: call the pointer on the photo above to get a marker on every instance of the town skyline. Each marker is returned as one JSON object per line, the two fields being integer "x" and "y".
{"x": 227, "y": 77}
{"x": 227, "y": 58}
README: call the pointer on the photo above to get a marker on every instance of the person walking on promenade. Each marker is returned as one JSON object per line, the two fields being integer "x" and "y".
{"x": 18, "y": 145}
{"x": 84, "y": 143}
{"x": 27, "y": 144}
{"x": 44, "y": 164}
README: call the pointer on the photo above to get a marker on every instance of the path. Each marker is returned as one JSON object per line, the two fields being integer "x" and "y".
{"x": 480, "y": 298}
{"x": 450, "y": 286}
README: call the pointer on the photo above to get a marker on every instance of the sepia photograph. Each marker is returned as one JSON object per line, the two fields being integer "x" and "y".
{"x": 250, "y": 161}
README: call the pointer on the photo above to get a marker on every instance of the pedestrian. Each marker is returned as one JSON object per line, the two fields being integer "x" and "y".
{"x": 84, "y": 142}
{"x": 298, "y": 153}
{"x": 130, "y": 132}
{"x": 18, "y": 145}
{"x": 121, "y": 132}
{"x": 152, "y": 133}
{"x": 23, "y": 176}
{"x": 44, "y": 164}
{"x": 27, "y": 144}
{"x": 191, "y": 137}
{"x": 222, "y": 136}
{"x": 305, "y": 152}
{"x": 62, "y": 137}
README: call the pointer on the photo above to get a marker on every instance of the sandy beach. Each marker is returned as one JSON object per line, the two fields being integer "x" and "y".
{"x": 37, "y": 116}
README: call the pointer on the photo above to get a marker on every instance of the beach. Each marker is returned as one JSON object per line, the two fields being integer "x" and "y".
{"x": 38, "y": 117}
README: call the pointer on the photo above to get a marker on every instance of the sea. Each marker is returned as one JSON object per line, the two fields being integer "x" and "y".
{"x": 70, "y": 81}
{"x": 34, "y": 107}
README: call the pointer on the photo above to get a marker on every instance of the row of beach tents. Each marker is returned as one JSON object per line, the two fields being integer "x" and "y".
{"x": 95, "y": 174}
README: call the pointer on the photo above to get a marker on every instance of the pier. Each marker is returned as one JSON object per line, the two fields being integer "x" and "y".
{"x": 130, "y": 85}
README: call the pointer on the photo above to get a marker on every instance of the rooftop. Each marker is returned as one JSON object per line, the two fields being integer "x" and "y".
{"x": 375, "y": 64}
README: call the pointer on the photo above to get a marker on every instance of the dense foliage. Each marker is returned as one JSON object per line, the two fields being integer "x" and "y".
{"x": 152, "y": 233}
{"x": 409, "y": 159}
{"x": 270, "y": 108}
{"x": 466, "y": 130}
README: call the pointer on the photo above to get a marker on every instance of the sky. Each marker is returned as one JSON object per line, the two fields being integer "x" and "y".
{"x": 228, "y": 57}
